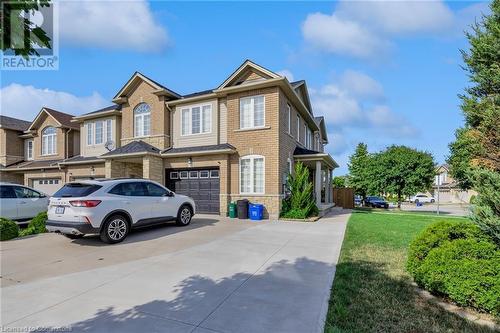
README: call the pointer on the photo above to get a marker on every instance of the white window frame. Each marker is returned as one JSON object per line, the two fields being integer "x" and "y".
{"x": 45, "y": 142}
{"x": 252, "y": 159}
{"x": 90, "y": 133}
{"x": 195, "y": 172}
{"x": 289, "y": 109}
{"x": 305, "y": 134}
{"x": 252, "y": 104}
{"x": 214, "y": 176}
{"x": 109, "y": 130}
{"x": 29, "y": 150}
{"x": 298, "y": 128}
{"x": 139, "y": 122}
{"x": 204, "y": 171}
{"x": 204, "y": 129}
{"x": 99, "y": 140}
{"x": 174, "y": 175}
{"x": 183, "y": 177}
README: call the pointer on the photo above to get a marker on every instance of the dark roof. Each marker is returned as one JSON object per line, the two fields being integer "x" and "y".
{"x": 108, "y": 108}
{"x": 79, "y": 158}
{"x": 161, "y": 85}
{"x": 134, "y": 147}
{"x": 198, "y": 93}
{"x": 295, "y": 84}
{"x": 14, "y": 123}
{"x": 63, "y": 118}
{"x": 198, "y": 149}
{"x": 33, "y": 164}
{"x": 319, "y": 119}
{"x": 303, "y": 151}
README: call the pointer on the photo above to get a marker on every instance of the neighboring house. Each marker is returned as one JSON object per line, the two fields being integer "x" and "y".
{"x": 449, "y": 191}
{"x": 239, "y": 140}
{"x": 12, "y": 148}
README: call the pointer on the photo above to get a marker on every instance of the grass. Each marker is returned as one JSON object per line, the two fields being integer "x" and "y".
{"x": 372, "y": 292}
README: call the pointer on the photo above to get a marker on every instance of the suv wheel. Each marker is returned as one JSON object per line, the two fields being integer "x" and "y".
{"x": 184, "y": 215}
{"x": 115, "y": 229}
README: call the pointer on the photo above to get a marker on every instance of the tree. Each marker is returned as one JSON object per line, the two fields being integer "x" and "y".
{"x": 403, "y": 171}
{"x": 359, "y": 170}
{"x": 300, "y": 203}
{"x": 475, "y": 153}
{"x": 339, "y": 181}
{"x": 27, "y": 35}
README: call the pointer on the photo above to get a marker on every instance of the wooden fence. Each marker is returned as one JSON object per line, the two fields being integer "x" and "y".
{"x": 343, "y": 197}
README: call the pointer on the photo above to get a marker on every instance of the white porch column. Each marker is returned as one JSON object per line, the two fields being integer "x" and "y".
{"x": 328, "y": 185}
{"x": 330, "y": 191}
{"x": 317, "y": 185}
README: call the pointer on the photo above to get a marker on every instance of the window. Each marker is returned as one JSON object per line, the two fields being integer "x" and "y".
{"x": 174, "y": 175}
{"x": 29, "y": 149}
{"x": 49, "y": 136}
{"x": 204, "y": 174}
{"x": 252, "y": 175}
{"x": 252, "y": 112}
{"x": 133, "y": 189}
{"x": 298, "y": 128}
{"x": 7, "y": 192}
{"x": 90, "y": 134}
{"x": 154, "y": 190}
{"x": 289, "y": 166}
{"x": 214, "y": 173}
{"x": 26, "y": 193}
{"x": 289, "y": 110}
{"x": 99, "y": 132}
{"x": 196, "y": 120}
{"x": 109, "y": 130}
{"x": 184, "y": 174}
{"x": 76, "y": 190}
{"x": 305, "y": 134}
{"x": 193, "y": 174}
{"x": 142, "y": 120}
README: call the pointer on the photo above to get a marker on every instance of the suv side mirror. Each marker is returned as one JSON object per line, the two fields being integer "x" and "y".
{"x": 170, "y": 194}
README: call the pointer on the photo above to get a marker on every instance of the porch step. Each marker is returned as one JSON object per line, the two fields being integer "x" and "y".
{"x": 324, "y": 209}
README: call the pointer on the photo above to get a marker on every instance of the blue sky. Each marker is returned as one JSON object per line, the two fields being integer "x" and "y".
{"x": 380, "y": 72}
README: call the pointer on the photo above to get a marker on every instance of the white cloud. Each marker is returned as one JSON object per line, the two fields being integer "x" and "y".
{"x": 361, "y": 85}
{"x": 25, "y": 102}
{"x": 365, "y": 29}
{"x": 399, "y": 17}
{"x": 111, "y": 25}
{"x": 286, "y": 73}
{"x": 341, "y": 36}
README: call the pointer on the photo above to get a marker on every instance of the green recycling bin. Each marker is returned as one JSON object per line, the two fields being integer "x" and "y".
{"x": 232, "y": 210}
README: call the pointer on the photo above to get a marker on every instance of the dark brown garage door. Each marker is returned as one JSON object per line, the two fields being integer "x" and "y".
{"x": 203, "y": 185}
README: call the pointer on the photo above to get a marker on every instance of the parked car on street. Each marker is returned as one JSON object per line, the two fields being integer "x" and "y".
{"x": 376, "y": 202}
{"x": 422, "y": 198}
{"x": 21, "y": 203}
{"x": 358, "y": 200}
{"x": 112, "y": 207}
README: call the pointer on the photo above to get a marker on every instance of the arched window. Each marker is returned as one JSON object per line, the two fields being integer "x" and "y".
{"x": 142, "y": 120}
{"x": 49, "y": 139}
{"x": 252, "y": 174}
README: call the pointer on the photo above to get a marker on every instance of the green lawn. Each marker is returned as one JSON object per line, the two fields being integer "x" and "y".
{"x": 372, "y": 292}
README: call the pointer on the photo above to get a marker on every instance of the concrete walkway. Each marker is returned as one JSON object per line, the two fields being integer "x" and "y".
{"x": 270, "y": 276}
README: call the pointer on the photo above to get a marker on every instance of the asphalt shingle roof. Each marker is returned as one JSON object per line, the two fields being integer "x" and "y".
{"x": 134, "y": 147}
{"x": 14, "y": 123}
{"x": 63, "y": 118}
{"x": 80, "y": 158}
{"x": 108, "y": 108}
{"x": 34, "y": 164}
{"x": 198, "y": 149}
{"x": 303, "y": 151}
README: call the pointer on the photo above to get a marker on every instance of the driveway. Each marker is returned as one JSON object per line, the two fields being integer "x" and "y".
{"x": 217, "y": 275}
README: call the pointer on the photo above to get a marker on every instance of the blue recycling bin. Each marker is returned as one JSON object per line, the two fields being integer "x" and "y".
{"x": 256, "y": 211}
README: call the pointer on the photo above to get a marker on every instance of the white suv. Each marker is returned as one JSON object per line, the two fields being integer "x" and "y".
{"x": 112, "y": 207}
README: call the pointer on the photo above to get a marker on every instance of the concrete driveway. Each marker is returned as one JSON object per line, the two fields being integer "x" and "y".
{"x": 217, "y": 275}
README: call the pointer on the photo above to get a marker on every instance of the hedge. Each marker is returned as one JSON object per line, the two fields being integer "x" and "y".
{"x": 8, "y": 229}
{"x": 36, "y": 225}
{"x": 457, "y": 260}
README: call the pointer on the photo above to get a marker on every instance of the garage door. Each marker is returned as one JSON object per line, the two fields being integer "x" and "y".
{"x": 47, "y": 185}
{"x": 203, "y": 185}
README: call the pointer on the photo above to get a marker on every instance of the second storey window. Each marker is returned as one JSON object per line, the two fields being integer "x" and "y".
{"x": 252, "y": 112}
{"x": 49, "y": 137}
{"x": 142, "y": 120}
{"x": 99, "y": 132}
{"x": 289, "y": 117}
{"x": 298, "y": 128}
{"x": 90, "y": 134}
{"x": 196, "y": 120}
{"x": 109, "y": 131}
{"x": 252, "y": 174}
{"x": 29, "y": 149}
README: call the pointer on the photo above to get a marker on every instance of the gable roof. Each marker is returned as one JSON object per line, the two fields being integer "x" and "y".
{"x": 63, "y": 119}
{"x": 320, "y": 121}
{"x": 14, "y": 123}
{"x": 133, "y": 148}
{"x": 160, "y": 89}
{"x": 248, "y": 64}
{"x": 109, "y": 110}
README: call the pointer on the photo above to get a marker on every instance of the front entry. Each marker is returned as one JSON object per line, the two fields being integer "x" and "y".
{"x": 201, "y": 184}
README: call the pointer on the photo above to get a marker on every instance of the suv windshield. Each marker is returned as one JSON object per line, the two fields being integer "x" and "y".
{"x": 76, "y": 190}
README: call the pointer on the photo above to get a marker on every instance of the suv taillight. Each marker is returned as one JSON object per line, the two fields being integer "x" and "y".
{"x": 85, "y": 203}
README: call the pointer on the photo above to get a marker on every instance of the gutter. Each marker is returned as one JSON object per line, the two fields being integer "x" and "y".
{"x": 198, "y": 153}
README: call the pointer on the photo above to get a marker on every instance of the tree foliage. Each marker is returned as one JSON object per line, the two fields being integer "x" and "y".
{"x": 339, "y": 181}
{"x": 359, "y": 170}
{"x": 301, "y": 202}
{"x": 403, "y": 171}
{"x": 28, "y": 35}
{"x": 475, "y": 153}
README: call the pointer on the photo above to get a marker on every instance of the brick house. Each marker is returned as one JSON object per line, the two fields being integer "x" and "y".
{"x": 239, "y": 140}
